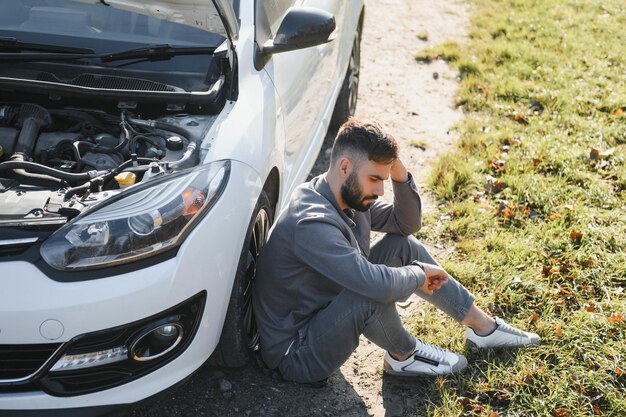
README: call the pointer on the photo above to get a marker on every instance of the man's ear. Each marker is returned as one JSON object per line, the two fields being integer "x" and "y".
{"x": 345, "y": 166}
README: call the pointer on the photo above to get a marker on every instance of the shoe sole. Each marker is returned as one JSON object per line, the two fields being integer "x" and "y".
{"x": 473, "y": 346}
{"x": 420, "y": 375}
{"x": 388, "y": 370}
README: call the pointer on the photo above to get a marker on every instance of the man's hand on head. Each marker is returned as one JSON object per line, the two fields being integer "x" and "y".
{"x": 436, "y": 277}
{"x": 399, "y": 172}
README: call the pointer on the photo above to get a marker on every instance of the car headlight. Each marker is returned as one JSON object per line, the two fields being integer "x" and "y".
{"x": 139, "y": 222}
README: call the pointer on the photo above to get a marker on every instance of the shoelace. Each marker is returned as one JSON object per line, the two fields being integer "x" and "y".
{"x": 426, "y": 349}
{"x": 510, "y": 329}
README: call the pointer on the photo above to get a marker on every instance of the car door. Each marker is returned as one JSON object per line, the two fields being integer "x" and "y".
{"x": 303, "y": 80}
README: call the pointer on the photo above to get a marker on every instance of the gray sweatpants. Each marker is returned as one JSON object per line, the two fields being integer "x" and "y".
{"x": 329, "y": 339}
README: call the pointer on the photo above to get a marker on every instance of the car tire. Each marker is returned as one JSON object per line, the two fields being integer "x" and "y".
{"x": 345, "y": 107}
{"x": 240, "y": 335}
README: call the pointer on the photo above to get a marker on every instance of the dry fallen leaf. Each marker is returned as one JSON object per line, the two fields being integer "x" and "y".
{"x": 616, "y": 318}
{"x": 494, "y": 414}
{"x": 558, "y": 330}
{"x": 504, "y": 210}
{"x": 554, "y": 216}
{"x": 575, "y": 235}
{"x": 561, "y": 412}
{"x": 546, "y": 270}
{"x": 497, "y": 166}
{"x": 519, "y": 118}
{"x": 534, "y": 318}
{"x": 590, "y": 308}
{"x": 594, "y": 154}
{"x": 619, "y": 112}
{"x": 499, "y": 186}
{"x": 597, "y": 411}
{"x": 618, "y": 371}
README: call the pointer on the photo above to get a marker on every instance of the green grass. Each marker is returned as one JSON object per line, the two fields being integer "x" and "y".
{"x": 538, "y": 225}
{"x": 419, "y": 143}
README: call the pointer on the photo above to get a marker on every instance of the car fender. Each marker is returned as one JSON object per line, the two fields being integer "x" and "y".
{"x": 239, "y": 199}
{"x": 251, "y": 129}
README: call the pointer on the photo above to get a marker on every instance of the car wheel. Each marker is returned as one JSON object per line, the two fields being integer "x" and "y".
{"x": 346, "y": 101}
{"x": 239, "y": 334}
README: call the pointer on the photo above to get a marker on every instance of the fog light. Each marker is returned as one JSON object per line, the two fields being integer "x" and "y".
{"x": 157, "y": 342}
{"x": 88, "y": 360}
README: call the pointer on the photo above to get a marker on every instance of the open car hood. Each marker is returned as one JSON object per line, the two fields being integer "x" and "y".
{"x": 216, "y": 16}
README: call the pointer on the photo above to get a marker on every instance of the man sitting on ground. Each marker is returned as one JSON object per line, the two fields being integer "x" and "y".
{"x": 319, "y": 285}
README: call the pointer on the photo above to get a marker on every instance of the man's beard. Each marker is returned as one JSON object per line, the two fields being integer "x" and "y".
{"x": 352, "y": 194}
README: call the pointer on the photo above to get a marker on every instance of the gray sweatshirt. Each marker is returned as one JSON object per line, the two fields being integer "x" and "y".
{"x": 315, "y": 251}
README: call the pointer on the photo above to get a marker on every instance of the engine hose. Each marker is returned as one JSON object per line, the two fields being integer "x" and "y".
{"x": 33, "y": 167}
{"x": 191, "y": 148}
{"x": 109, "y": 176}
{"x": 113, "y": 150}
{"x": 154, "y": 140}
{"x": 76, "y": 148}
{"x": 32, "y": 119}
{"x": 162, "y": 126}
{"x": 81, "y": 189}
{"x": 36, "y": 179}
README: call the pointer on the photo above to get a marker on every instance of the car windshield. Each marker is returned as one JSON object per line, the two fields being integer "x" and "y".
{"x": 48, "y": 27}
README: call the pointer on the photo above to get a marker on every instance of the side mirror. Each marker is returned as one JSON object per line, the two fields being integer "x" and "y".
{"x": 302, "y": 27}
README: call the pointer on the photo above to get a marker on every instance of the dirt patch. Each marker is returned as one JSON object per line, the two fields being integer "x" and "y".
{"x": 414, "y": 101}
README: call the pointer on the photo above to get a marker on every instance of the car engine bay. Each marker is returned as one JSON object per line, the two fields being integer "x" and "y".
{"x": 56, "y": 161}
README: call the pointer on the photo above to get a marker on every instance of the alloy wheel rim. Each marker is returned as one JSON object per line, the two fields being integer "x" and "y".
{"x": 353, "y": 74}
{"x": 257, "y": 241}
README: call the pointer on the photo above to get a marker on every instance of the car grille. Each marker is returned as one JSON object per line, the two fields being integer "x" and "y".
{"x": 21, "y": 361}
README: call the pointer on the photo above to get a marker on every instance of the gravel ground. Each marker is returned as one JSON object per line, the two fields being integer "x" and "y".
{"x": 413, "y": 101}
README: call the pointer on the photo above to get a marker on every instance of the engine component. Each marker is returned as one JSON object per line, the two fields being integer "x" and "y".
{"x": 74, "y": 158}
{"x": 174, "y": 143}
{"x": 32, "y": 118}
{"x": 126, "y": 179}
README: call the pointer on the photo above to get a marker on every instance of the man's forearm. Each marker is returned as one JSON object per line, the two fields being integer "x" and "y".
{"x": 407, "y": 206}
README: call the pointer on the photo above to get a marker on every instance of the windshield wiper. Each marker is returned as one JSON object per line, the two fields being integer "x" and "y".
{"x": 156, "y": 52}
{"x": 150, "y": 53}
{"x": 8, "y": 44}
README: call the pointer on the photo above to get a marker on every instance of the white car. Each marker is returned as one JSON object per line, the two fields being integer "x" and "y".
{"x": 145, "y": 147}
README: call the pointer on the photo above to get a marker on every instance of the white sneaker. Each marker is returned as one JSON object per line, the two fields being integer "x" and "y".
{"x": 425, "y": 360}
{"x": 504, "y": 335}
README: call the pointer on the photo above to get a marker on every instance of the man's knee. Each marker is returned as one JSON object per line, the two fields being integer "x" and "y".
{"x": 395, "y": 250}
{"x": 358, "y": 304}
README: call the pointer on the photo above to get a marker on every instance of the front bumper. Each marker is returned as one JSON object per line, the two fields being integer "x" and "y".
{"x": 207, "y": 261}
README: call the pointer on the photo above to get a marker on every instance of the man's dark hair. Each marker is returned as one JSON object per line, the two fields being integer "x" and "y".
{"x": 362, "y": 138}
